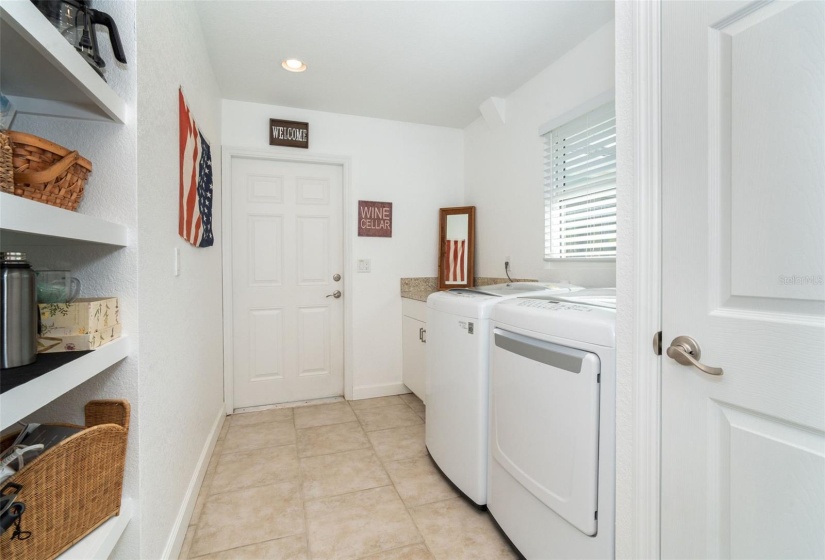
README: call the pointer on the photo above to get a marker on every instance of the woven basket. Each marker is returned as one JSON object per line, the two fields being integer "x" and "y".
{"x": 6, "y": 167}
{"x": 47, "y": 172}
{"x": 72, "y": 488}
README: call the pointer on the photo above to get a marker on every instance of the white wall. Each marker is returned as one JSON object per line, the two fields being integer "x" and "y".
{"x": 111, "y": 193}
{"x": 625, "y": 522}
{"x": 503, "y": 166}
{"x": 181, "y": 373}
{"x": 638, "y": 279}
{"x": 416, "y": 167}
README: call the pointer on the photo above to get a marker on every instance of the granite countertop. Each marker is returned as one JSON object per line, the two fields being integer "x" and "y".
{"x": 420, "y": 295}
{"x": 420, "y": 288}
{"x": 491, "y": 281}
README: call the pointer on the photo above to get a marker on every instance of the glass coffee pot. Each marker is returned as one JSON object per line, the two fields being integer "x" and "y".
{"x": 76, "y": 21}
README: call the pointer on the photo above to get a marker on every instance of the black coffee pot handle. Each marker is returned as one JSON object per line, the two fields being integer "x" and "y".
{"x": 102, "y": 18}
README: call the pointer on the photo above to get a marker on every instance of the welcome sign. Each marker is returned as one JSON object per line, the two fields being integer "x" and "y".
{"x": 293, "y": 134}
{"x": 374, "y": 219}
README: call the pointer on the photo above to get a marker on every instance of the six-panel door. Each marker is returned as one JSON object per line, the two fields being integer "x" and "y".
{"x": 286, "y": 249}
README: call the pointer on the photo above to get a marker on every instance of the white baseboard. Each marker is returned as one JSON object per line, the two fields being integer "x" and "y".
{"x": 372, "y": 391}
{"x": 175, "y": 541}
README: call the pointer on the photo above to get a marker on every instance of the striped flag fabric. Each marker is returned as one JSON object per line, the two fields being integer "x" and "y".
{"x": 455, "y": 265}
{"x": 195, "y": 207}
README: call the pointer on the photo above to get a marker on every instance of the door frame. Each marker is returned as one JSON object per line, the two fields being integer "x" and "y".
{"x": 639, "y": 279}
{"x": 285, "y": 155}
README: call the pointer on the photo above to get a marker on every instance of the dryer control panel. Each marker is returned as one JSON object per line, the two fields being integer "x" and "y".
{"x": 554, "y": 305}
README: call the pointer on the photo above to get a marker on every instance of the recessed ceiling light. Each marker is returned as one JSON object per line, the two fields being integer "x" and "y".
{"x": 293, "y": 65}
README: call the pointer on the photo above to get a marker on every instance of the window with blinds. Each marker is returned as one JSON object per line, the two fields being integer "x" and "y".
{"x": 580, "y": 187}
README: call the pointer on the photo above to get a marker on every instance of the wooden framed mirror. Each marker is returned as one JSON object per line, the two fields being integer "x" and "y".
{"x": 456, "y": 247}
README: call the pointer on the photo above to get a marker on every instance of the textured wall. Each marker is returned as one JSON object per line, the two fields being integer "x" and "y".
{"x": 181, "y": 373}
{"x": 111, "y": 193}
{"x": 504, "y": 166}
{"x": 416, "y": 167}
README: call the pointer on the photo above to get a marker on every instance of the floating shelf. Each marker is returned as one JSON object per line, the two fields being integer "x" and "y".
{"x": 35, "y": 218}
{"x": 42, "y": 74}
{"x": 99, "y": 544}
{"x": 24, "y": 399}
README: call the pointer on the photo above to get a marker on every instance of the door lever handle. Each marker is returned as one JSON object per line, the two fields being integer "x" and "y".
{"x": 336, "y": 294}
{"x": 686, "y": 351}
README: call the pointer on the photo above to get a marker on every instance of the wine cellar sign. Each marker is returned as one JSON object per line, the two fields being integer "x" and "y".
{"x": 374, "y": 219}
{"x": 293, "y": 134}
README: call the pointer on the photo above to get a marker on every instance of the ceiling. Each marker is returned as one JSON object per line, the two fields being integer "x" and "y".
{"x": 429, "y": 62}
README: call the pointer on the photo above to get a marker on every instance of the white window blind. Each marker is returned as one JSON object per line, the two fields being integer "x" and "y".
{"x": 580, "y": 187}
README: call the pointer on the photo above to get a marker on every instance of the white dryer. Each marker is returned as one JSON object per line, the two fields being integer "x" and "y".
{"x": 552, "y": 424}
{"x": 458, "y": 378}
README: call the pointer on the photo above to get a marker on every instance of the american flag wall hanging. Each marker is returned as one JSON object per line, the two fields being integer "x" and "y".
{"x": 455, "y": 261}
{"x": 195, "y": 214}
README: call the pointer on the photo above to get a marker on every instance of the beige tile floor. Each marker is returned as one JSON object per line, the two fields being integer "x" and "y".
{"x": 340, "y": 480}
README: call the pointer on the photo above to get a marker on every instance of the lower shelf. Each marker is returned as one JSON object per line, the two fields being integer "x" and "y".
{"x": 100, "y": 543}
{"x": 24, "y": 399}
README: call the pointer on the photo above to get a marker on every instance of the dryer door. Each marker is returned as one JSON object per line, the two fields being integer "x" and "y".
{"x": 545, "y": 423}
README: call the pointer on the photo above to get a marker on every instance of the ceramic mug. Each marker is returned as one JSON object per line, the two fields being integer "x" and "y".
{"x": 56, "y": 286}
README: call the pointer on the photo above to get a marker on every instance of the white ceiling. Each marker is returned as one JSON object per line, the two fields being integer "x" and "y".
{"x": 429, "y": 62}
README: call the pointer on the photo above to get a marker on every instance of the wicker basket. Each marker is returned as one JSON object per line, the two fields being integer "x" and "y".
{"x": 6, "y": 167}
{"x": 47, "y": 172}
{"x": 72, "y": 488}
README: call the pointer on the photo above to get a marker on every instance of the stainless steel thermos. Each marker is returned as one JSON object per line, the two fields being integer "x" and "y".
{"x": 18, "y": 310}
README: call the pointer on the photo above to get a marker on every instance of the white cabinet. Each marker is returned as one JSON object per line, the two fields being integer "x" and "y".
{"x": 43, "y": 75}
{"x": 414, "y": 345}
{"x": 22, "y": 219}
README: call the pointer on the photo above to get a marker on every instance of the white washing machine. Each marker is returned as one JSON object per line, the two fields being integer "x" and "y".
{"x": 458, "y": 378}
{"x": 552, "y": 424}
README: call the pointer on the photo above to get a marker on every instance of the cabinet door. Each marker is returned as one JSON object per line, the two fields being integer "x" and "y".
{"x": 413, "y": 334}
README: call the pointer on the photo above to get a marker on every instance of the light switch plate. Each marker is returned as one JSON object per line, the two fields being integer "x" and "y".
{"x": 363, "y": 265}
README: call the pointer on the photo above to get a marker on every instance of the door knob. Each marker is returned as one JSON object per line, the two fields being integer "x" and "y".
{"x": 686, "y": 351}
{"x": 336, "y": 277}
{"x": 336, "y": 294}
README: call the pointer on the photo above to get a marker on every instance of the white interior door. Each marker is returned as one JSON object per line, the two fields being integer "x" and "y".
{"x": 287, "y": 251}
{"x": 743, "y": 148}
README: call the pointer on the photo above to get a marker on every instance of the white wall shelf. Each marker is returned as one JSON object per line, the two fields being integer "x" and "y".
{"x": 42, "y": 74}
{"x": 24, "y": 399}
{"x": 99, "y": 544}
{"x": 35, "y": 218}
